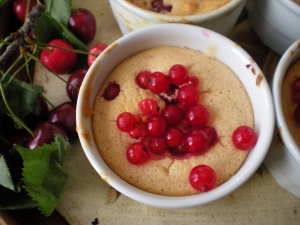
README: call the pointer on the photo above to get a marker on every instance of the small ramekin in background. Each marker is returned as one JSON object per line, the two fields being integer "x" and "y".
{"x": 130, "y": 17}
{"x": 283, "y": 158}
{"x": 276, "y": 22}
{"x": 196, "y": 38}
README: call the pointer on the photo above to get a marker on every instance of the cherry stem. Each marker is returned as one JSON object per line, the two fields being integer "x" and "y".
{"x": 74, "y": 6}
{"x": 15, "y": 118}
{"x": 7, "y": 73}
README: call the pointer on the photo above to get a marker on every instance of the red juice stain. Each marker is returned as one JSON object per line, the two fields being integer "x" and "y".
{"x": 111, "y": 91}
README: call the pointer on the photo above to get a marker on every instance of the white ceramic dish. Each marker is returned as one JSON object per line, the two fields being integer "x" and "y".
{"x": 276, "y": 22}
{"x": 283, "y": 159}
{"x": 130, "y": 17}
{"x": 196, "y": 38}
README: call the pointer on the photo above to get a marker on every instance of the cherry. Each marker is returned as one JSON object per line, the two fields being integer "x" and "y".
{"x": 178, "y": 74}
{"x": 296, "y": 97}
{"x": 142, "y": 79}
{"x": 172, "y": 114}
{"x": 74, "y": 83}
{"x": 155, "y": 126}
{"x": 137, "y": 153}
{"x": 296, "y": 84}
{"x": 136, "y": 132}
{"x": 160, "y": 7}
{"x": 111, "y": 91}
{"x": 188, "y": 95}
{"x": 59, "y": 61}
{"x": 148, "y": 106}
{"x": 44, "y": 134}
{"x": 82, "y": 23}
{"x": 94, "y": 51}
{"x": 197, "y": 116}
{"x": 64, "y": 115}
{"x": 244, "y": 138}
{"x": 20, "y": 7}
{"x": 174, "y": 137}
{"x": 297, "y": 114}
{"x": 196, "y": 141}
{"x": 193, "y": 81}
{"x": 126, "y": 121}
{"x": 202, "y": 178}
{"x": 157, "y": 145}
{"x": 38, "y": 114}
{"x": 158, "y": 82}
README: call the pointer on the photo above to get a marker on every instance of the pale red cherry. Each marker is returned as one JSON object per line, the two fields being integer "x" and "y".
{"x": 244, "y": 138}
{"x": 178, "y": 74}
{"x": 137, "y": 153}
{"x": 174, "y": 137}
{"x": 202, "y": 178}
{"x": 157, "y": 145}
{"x": 126, "y": 121}
{"x": 148, "y": 106}
{"x": 158, "y": 82}
{"x": 155, "y": 126}
{"x": 196, "y": 142}
{"x": 197, "y": 116}
{"x": 193, "y": 81}
{"x": 188, "y": 95}
{"x": 172, "y": 114}
{"x": 142, "y": 79}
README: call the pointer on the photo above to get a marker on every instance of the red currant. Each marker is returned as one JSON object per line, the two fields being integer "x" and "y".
{"x": 179, "y": 150}
{"x": 196, "y": 141}
{"x": 174, "y": 137}
{"x": 296, "y": 97}
{"x": 155, "y": 126}
{"x": 158, "y": 82}
{"x": 137, "y": 153}
{"x": 193, "y": 81}
{"x": 148, "y": 106}
{"x": 211, "y": 134}
{"x": 202, "y": 178}
{"x": 296, "y": 84}
{"x": 244, "y": 138}
{"x": 172, "y": 114}
{"x": 126, "y": 121}
{"x": 142, "y": 79}
{"x": 197, "y": 116}
{"x": 178, "y": 74}
{"x": 297, "y": 114}
{"x": 157, "y": 145}
{"x": 136, "y": 132}
{"x": 188, "y": 95}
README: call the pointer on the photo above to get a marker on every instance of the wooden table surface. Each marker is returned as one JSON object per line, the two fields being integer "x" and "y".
{"x": 87, "y": 199}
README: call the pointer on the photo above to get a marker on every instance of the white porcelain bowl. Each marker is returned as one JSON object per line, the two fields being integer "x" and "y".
{"x": 283, "y": 159}
{"x": 276, "y": 22}
{"x": 130, "y": 17}
{"x": 196, "y": 38}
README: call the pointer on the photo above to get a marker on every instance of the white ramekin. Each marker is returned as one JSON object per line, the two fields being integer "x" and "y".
{"x": 283, "y": 159}
{"x": 130, "y": 17}
{"x": 276, "y": 22}
{"x": 196, "y": 38}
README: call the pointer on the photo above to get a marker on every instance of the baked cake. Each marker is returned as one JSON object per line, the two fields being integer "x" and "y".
{"x": 288, "y": 106}
{"x": 221, "y": 92}
{"x": 180, "y": 7}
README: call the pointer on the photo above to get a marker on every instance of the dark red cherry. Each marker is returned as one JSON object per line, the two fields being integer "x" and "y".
{"x": 74, "y": 83}
{"x": 64, "y": 115}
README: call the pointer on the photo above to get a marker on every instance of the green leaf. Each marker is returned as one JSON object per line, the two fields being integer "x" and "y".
{"x": 59, "y": 10}
{"x": 73, "y": 40}
{"x": 54, "y": 29}
{"x": 2, "y": 2}
{"x": 5, "y": 176}
{"x": 21, "y": 97}
{"x": 43, "y": 173}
